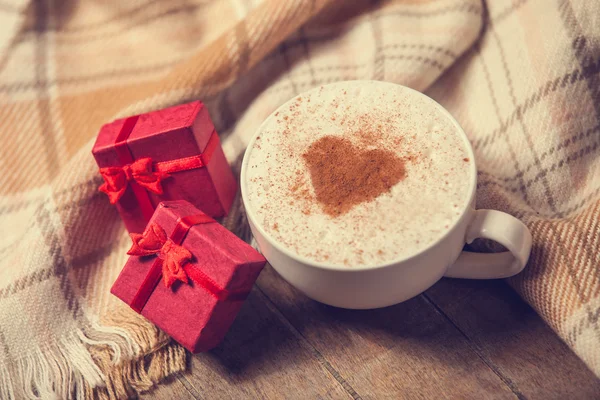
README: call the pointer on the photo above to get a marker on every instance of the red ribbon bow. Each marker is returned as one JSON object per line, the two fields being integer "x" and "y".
{"x": 173, "y": 261}
{"x": 154, "y": 241}
{"x": 116, "y": 179}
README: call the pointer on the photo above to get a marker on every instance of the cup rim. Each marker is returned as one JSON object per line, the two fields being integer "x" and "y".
{"x": 324, "y": 266}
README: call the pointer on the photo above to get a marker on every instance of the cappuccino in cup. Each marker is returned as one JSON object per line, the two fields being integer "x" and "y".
{"x": 358, "y": 174}
{"x": 361, "y": 194}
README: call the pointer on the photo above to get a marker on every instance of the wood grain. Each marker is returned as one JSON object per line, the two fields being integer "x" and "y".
{"x": 461, "y": 339}
{"x": 405, "y": 351}
{"x": 171, "y": 389}
{"x": 261, "y": 358}
{"x": 514, "y": 340}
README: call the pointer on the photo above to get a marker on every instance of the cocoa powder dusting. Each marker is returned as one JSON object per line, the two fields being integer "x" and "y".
{"x": 344, "y": 175}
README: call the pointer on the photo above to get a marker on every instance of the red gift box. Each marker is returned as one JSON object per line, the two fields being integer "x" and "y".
{"x": 170, "y": 154}
{"x": 188, "y": 274}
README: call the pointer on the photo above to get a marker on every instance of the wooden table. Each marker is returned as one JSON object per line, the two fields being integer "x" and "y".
{"x": 461, "y": 339}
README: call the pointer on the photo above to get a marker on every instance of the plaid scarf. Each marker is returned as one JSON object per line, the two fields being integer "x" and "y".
{"x": 521, "y": 77}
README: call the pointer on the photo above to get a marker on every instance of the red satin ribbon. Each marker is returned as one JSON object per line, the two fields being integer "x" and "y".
{"x": 154, "y": 241}
{"x": 114, "y": 187}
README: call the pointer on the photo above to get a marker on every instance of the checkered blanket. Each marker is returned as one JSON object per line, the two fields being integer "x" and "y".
{"x": 521, "y": 76}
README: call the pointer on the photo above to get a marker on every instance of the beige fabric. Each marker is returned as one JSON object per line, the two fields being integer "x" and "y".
{"x": 521, "y": 76}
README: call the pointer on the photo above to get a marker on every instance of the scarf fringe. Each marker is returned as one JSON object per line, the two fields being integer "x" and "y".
{"x": 131, "y": 378}
{"x": 102, "y": 362}
{"x": 6, "y": 387}
{"x": 54, "y": 371}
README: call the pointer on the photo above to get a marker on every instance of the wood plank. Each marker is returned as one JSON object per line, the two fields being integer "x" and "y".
{"x": 462, "y": 339}
{"x": 261, "y": 357}
{"x": 406, "y": 351}
{"x": 170, "y": 389}
{"x": 514, "y": 340}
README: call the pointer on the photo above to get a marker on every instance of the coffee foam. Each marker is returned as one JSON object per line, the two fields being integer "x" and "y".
{"x": 415, "y": 213}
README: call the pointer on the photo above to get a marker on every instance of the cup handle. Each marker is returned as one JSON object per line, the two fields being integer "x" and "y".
{"x": 504, "y": 229}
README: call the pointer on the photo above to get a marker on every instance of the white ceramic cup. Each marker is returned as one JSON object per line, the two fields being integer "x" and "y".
{"x": 396, "y": 281}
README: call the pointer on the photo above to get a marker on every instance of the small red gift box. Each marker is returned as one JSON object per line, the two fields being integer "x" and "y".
{"x": 170, "y": 154}
{"x": 206, "y": 273}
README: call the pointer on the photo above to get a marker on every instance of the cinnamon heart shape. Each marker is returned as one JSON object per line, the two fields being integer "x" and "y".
{"x": 344, "y": 175}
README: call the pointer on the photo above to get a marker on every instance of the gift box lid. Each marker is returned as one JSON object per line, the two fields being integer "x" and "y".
{"x": 171, "y": 133}
{"x": 213, "y": 246}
